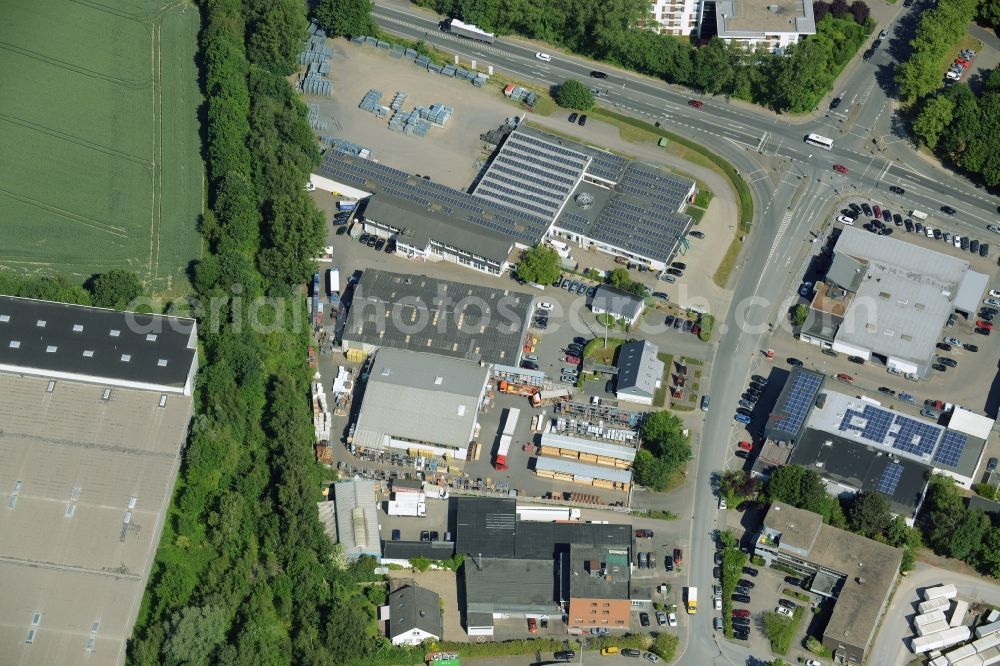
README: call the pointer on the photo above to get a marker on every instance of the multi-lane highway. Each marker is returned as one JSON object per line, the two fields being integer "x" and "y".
{"x": 793, "y": 185}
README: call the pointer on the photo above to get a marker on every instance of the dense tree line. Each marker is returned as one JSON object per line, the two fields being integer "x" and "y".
{"x": 117, "y": 289}
{"x": 953, "y": 530}
{"x": 795, "y": 81}
{"x": 940, "y": 27}
{"x": 962, "y": 128}
{"x": 245, "y": 573}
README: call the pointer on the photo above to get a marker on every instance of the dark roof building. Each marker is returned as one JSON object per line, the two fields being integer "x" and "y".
{"x": 414, "y": 616}
{"x": 422, "y": 314}
{"x": 640, "y": 372}
{"x": 617, "y": 303}
{"x": 485, "y": 526}
{"x": 848, "y": 467}
{"x": 597, "y": 572}
{"x": 788, "y": 418}
{"x": 536, "y": 540}
{"x": 400, "y": 552}
{"x": 96, "y": 345}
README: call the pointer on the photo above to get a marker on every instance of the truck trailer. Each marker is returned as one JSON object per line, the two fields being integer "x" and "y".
{"x": 692, "y": 600}
{"x": 946, "y": 591}
{"x": 333, "y": 281}
{"x": 457, "y": 27}
{"x": 408, "y": 504}
{"x": 503, "y": 451}
{"x": 941, "y": 639}
{"x": 941, "y": 603}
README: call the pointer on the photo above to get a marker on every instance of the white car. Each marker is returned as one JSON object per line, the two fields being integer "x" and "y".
{"x": 717, "y": 603}
{"x": 310, "y": 187}
{"x": 954, "y": 76}
{"x": 843, "y": 219}
{"x": 781, "y": 610}
{"x": 812, "y": 662}
{"x": 544, "y": 57}
{"x": 992, "y": 302}
{"x": 722, "y": 503}
{"x": 994, "y": 228}
{"x": 672, "y": 619}
{"x": 958, "y": 241}
{"x": 954, "y": 342}
{"x": 545, "y": 306}
{"x": 929, "y": 231}
{"x": 995, "y": 293}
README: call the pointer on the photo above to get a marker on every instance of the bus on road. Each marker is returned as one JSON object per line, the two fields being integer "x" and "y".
{"x": 821, "y": 141}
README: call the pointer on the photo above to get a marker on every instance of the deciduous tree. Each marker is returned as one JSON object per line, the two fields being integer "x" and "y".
{"x": 345, "y": 18}
{"x": 574, "y": 95}
{"x": 539, "y": 264}
{"x": 116, "y": 289}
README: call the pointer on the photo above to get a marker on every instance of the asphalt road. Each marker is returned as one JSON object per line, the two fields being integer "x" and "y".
{"x": 794, "y": 186}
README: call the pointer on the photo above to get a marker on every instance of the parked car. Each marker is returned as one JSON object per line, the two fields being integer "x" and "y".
{"x": 794, "y": 361}
{"x": 785, "y": 603}
{"x": 844, "y": 377}
{"x": 644, "y": 534}
{"x": 565, "y": 655}
{"x": 745, "y": 446}
{"x": 742, "y": 418}
{"x": 954, "y": 342}
{"x": 668, "y": 563}
{"x": 395, "y": 535}
{"x": 991, "y": 464}
{"x": 644, "y": 619}
{"x": 532, "y": 625}
{"x": 750, "y": 571}
{"x": 582, "y": 121}
{"x": 741, "y": 598}
{"x": 425, "y": 535}
{"x": 886, "y": 390}
{"x": 741, "y": 612}
{"x": 609, "y": 651}
{"x": 631, "y": 652}
{"x": 749, "y": 584}
{"x": 781, "y": 610}
{"x": 678, "y": 556}
{"x": 793, "y": 580}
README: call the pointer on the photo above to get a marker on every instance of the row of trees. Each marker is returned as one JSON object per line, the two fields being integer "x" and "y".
{"x": 665, "y": 450}
{"x": 953, "y": 530}
{"x": 961, "y": 128}
{"x": 244, "y": 573}
{"x": 940, "y": 27}
{"x": 116, "y": 289}
{"x": 603, "y": 30}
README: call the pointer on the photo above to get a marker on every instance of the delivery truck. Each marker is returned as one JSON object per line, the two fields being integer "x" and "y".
{"x": 456, "y": 27}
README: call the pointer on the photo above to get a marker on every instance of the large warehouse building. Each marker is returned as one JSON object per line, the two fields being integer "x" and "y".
{"x": 420, "y": 401}
{"x": 537, "y": 185}
{"x": 421, "y": 314}
{"x": 887, "y": 300}
{"x": 95, "y": 407}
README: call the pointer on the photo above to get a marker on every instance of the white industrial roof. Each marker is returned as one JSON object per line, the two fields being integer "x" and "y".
{"x": 970, "y": 291}
{"x": 589, "y": 446}
{"x": 971, "y": 423}
{"x": 904, "y": 298}
{"x": 579, "y": 470}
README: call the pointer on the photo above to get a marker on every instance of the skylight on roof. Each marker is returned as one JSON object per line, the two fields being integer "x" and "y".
{"x": 15, "y": 344}
{"x": 126, "y": 357}
{"x": 4, "y": 318}
{"x": 114, "y": 333}
{"x": 51, "y": 349}
{"x": 151, "y": 337}
{"x": 77, "y": 328}
{"x": 162, "y": 362}
{"x": 40, "y": 323}
{"x": 88, "y": 353}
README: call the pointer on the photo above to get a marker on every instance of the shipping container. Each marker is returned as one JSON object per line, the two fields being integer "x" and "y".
{"x": 941, "y": 639}
{"x": 947, "y": 591}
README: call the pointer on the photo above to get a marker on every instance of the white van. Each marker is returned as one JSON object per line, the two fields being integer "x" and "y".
{"x": 920, "y": 215}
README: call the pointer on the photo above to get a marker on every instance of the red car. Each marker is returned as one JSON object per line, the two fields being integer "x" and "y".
{"x": 644, "y": 534}
{"x": 573, "y": 359}
{"x": 877, "y": 210}
{"x": 984, "y": 324}
{"x": 962, "y": 61}
{"x": 840, "y": 168}
{"x": 844, "y": 377}
{"x": 532, "y": 625}
{"x": 741, "y": 612}
{"x": 696, "y": 103}
{"x": 746, "y": 446}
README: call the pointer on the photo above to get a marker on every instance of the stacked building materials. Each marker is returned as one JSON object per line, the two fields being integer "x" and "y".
{"x": 315, "y": 55}
{"x": 321, "y": 414}
{"x": 372, "y": 102}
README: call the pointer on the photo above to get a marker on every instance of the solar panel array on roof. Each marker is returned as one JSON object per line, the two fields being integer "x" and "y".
{"x": 525, "y": 227}
{"x": 952, "y": 445}
{"x": 799, "y": 400}
{"x": 574, "y": 222}
{"x": 889, "y": 479}
{"x": 607, "y": 166}
{"x": 891, "y": 429}
{"x": 914, "y": 436}
{"x": 532, "y": 175}
{"x": 871, "y": 422}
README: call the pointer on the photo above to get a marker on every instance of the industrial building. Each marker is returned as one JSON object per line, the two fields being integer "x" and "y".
{"x": 859, "y": 574}
{"x": 561, "y": 469}
{"x": 640, "y": 372}
{"x": 95, "y": 407}
{"x": 536, "y": 185}
{"x": 590, "y": 451}
{"x": 525, "y": 569}
{"x": 618, "y": 304}
{"x": 856, "y": 444}
{"x": 416, "y": 313}
{"x": 888, "y": 301}
{"x": 351, "y": 519}
{"x": 420, "y": 401}
{"x": 773, "y": 25}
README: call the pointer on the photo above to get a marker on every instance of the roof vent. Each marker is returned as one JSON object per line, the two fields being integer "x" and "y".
{"x": 15, "y": 344}
{"x": 151, "y": 337}
{"x": 162, "y": 362}
{"x": 88, "y": 353}
{"x": 773, "y": 9}
{"x": 126, "y": 358}
{"x": 40, "y": 323}
{"x": 78, "y": 328}
{"x": 438, "y": 381}
{"x": 51, "y": 349}
{"x": 114, "y": 332}
{"x": 4, "y": 318}
{"x": 385, "y": 372}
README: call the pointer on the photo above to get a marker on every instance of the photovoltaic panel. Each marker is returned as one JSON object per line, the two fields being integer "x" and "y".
{"x": 799, "y": 400}
{"x": 951, "y": 448}
{"x": 890, "y": 479}
{"x": 914, "y": 436}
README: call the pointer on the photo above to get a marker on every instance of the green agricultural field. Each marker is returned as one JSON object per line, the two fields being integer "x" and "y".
{"x": 100, "y": 166}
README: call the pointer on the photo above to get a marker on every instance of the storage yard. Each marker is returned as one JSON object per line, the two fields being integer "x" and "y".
{"x": 950, "y": 635}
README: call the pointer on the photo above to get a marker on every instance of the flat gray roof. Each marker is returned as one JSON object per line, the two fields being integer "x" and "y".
{"x": 904, "y": 299}
{"x": 846, "y": 271}
{"x": 502, "y": 585}
{"x": 462, "y": 208}
{"x": 582, "y": 470}
{"x": 602, "y": 165}
{"x": 585, "y": 567}
{"x": 87, "y": 483}
{"x": 418, "y": 225}
{"x": 756, "y": 18}
{"x": 638, "y": 368}
{"x": 798, "y": 528}
{"x": 420, "y": 398}
{"x": 419, "y": 313}
{"x": 898, "y": 434}
{"x": 97, "y": 345}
